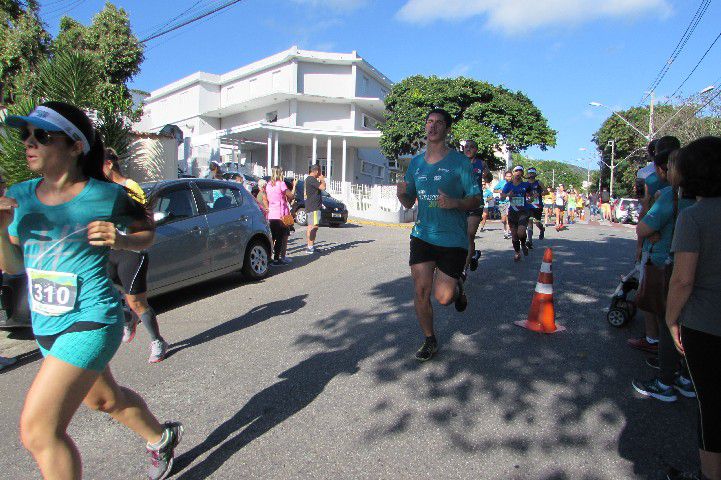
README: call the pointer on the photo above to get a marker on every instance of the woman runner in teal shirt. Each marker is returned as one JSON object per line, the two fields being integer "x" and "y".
{"x": 59, "y": 228}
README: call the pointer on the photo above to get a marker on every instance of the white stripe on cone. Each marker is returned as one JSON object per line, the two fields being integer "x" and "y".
{"x": 544, "y": 288}
{"x": 545, "y": 267}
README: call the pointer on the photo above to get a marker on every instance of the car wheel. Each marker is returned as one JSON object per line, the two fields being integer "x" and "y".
{"x": 300, "y": 217}
{"x": 255, "y": 265}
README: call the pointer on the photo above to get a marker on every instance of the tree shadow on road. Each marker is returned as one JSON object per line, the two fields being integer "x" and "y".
{"x": 255, "y": 316}
{"x": 526, "y": 405}
{"x": 553, "y": 396}
{"x": 298, "y": 387}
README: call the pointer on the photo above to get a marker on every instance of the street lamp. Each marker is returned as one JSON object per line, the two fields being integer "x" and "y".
{"x": 598, "y": 104}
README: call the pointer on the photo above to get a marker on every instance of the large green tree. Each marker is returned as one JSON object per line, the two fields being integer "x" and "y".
{"x": 491, "y": 115}
{"x": 552, "y": 172}
{"x": 683, "y": 118}
{"x": 23, "y": 44}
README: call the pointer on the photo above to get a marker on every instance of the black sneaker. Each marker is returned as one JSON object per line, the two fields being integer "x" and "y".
{"x": 529, "y": 244}
{"x": 161, "y": 461}
{"x": 524, "y": 247}
{"x": 461, "y": 300}
{"x": 542, "y": 234}
{"x": 427, "y": 350}
{"x": 474, "y": 260}
{"x": 653, "y": 389}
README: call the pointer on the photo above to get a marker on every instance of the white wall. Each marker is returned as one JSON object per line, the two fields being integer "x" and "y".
{"x": 258, "y": 115}
{"x": 327, "y": 80}
{"x": 272, "y": 80}
{"x": 324, "y": 115}
{"x": 368, "y": 86}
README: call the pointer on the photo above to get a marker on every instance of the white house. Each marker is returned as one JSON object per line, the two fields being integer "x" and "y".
{"x": 292, "y": 109}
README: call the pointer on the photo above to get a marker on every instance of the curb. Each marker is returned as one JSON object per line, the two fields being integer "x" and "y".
{"x": 372, "y": 223}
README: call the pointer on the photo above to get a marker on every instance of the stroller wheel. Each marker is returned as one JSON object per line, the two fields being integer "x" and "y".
{"x": 617, "y": 317}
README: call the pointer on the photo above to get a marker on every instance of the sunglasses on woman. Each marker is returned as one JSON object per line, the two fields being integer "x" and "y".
{"x": 42, "y": 136}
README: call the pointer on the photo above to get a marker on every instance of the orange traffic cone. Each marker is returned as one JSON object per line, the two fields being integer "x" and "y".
{"x": 542, "y": 315}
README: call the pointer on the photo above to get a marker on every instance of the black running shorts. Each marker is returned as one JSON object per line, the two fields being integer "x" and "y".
{"x": 518, "y": 218}
{"x": 129, "y": 270}
{"x": 537, "y": 214}
{"x": 476, "y": 212}
{"x": 449, "y": 260}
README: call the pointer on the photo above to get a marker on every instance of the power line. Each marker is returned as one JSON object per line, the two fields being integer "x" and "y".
{"x": 223, "y": 6}
{"x": 690, "y": 29}
{"x": 165, "y": 24}
{"x": 697, "y": 65}
{"x": 166, "y": 40}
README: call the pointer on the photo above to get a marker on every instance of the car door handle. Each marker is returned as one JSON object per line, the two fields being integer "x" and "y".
{"x": 243, "y": 218}
{"x": 195, "y": 230}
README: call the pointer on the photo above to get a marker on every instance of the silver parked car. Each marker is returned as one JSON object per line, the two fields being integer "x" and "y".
{"x": 204, "y": 229}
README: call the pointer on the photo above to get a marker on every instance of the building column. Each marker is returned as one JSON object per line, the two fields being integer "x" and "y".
{"x": 270, "y": 152}
{"x": 275, "y": 150}
{"x": 315, "y": 150}
{"x": 328, "y": 160}
{"x": 344, "y": 168}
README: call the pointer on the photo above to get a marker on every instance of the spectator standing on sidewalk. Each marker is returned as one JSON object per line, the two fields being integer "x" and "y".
{"x": 694, "y": 297}
{"x": 657, "y": 229}
{"x": 261, "y": 198}
{"x": 605, "y": 199}
{"x": 314, "y": 184}
{"x": 278, "y": 195}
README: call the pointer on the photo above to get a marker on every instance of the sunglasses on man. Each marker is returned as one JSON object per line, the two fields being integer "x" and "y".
{"x": 43, "y": 137}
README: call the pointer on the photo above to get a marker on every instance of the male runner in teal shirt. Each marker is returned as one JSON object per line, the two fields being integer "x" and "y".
{"x": 443, "y": 182}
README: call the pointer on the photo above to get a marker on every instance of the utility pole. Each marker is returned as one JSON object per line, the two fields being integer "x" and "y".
{"x": 613, "y": 166}
{"x": 554, "y": 178}
{"x": 650, "y": 116}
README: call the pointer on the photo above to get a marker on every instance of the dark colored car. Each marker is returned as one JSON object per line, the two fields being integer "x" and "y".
{"x": 333, "y": 212}
{"x": 204, "y": 229}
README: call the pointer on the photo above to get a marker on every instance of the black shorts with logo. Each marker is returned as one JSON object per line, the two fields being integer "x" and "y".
{"x": 449, "y": 260}
{"x": 518, "y": 218}
{"x": 130, "y": 270}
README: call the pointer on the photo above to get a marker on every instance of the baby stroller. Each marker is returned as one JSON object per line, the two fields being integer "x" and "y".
{"x": 622, "y": 309}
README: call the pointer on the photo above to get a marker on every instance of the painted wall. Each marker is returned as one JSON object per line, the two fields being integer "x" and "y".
{"x": 272, "y": 80}
{"x": 327, "y": 80}
{"x": 324, "y": 116}
{"x": 368, "y": 86}
{"x": 258, "y": 115}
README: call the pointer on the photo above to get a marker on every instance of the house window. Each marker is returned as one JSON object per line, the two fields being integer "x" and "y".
{"x": 369, "y": 122}
{"x": 271, "y": 117}
{"x": 372, "y": 169}
{"x": 322, "y": 163}
{"x": 366, "y": 85}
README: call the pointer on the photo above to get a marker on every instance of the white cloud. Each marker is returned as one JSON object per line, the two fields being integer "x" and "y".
{"x": 516, "y": 16}
{"x": 460, "y": 70}
{"x": 338, "y": 5}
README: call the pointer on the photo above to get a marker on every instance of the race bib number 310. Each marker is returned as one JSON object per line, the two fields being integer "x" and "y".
{"x": 52, "y": 293}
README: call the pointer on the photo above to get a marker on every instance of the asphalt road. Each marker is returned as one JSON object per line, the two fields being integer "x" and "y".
{"x": 309, "y": 374}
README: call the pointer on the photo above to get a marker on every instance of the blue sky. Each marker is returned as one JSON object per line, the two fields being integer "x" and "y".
{"x": 561, "y": 53}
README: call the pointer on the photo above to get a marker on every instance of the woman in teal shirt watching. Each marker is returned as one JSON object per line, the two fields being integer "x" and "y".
{"x": 59, "y": 228}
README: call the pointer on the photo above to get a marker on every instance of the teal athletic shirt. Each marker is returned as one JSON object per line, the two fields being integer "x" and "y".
{"x": 654, "y": 184}
{"x": 41, "y": 230}
{"x": 454, "y": 176}
{"x": 660, "y": 219}
{"x": 500, "y": 186}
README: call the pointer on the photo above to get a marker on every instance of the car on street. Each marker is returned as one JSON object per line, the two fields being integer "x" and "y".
{"x": 333, "y": 212}
{"x": 204, "y": 229}
{"x": 625, "y": 210}
{"x": 249, "y": 181}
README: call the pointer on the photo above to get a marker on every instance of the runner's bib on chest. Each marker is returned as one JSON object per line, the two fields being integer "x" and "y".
{"x": 52, "y": 293}
{"x": 518, "y": 201}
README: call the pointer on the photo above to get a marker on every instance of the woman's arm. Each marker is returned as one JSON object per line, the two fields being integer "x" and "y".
{"x": 105, "y": 234}
{"x": 11, "y": 257}
{"x": 679, "y": 291}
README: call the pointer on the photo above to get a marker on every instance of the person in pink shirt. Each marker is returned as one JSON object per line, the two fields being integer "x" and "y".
{"x": 278, "y": 195}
